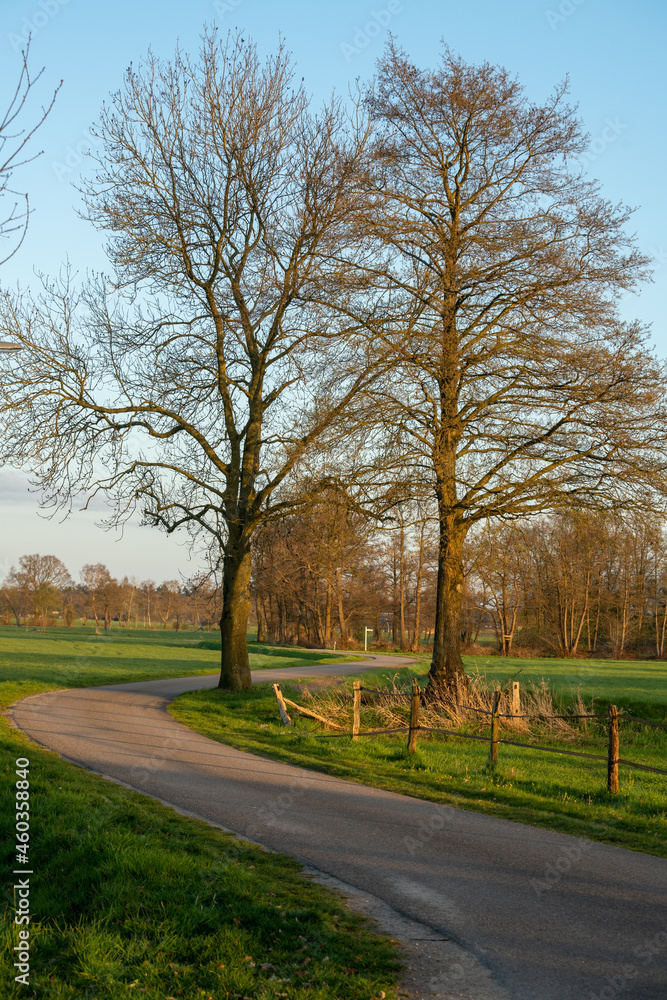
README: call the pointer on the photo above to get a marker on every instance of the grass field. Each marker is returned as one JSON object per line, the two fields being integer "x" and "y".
{"x": 562, "y": 793}
{"x": 128, "y": 898}
{"x": 642, "y": 683}
{"x": 622, "y": 682}
{"x": 32, "y": 661}
{"x": 132, "y": 900}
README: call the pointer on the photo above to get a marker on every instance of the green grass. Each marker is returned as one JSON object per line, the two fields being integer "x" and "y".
{"x": 540, "y": 789}
{"x": 128, "y": 898}
{"x": 32, "y": 661}
{"x": 641, "y": 684}
{"x": 277, "y": 657}
{"x": 132, "y": 900}
{"x": 622, "y": 682}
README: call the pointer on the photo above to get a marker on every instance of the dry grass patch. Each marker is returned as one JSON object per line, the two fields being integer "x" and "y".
{"x": 541, "y": 712}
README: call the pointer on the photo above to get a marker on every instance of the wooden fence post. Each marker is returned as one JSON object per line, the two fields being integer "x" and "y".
{"x": 516, "y": 699}
{"x": 612, "y": 762}
{"x": 282, "y": 708}
{"x": 414, "y": 718}
{"x": 493, "y": 748}
{"x": 356, "y": 709}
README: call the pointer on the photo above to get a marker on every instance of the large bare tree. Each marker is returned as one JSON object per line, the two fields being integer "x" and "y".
{"x": 193, "y": 387}
{"x": 41, "y": 579}
{"x": 516, "y": 387}
{"x": 15, "y": 136}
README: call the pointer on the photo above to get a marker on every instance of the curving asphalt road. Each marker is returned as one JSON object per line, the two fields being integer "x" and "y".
{"x": 552, "y": 917}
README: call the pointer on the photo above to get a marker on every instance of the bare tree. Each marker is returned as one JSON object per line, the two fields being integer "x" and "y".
{"x": 500, "y": 565}
{"x": 310, "y": 571}
{"x": 516, "y": 389}
{"x": 14, "y": 154}
{"x": 101, "y": 592}
{"x": 149, "y": 598}
{"x": 41, "y": 580}
{"x": 128, "y": 590}
{"x": 15, "y": 602}
{"x": 170, "y": 603}
{"x": 228, "y": 205}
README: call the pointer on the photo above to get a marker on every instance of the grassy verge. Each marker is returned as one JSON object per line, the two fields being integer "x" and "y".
{"x": 276, "y": 657}
{"x": 623, "y": 682}
{"x": 33, "y": 661}
{"x": 561, "y": 793}
{"x": 129, "y": 899}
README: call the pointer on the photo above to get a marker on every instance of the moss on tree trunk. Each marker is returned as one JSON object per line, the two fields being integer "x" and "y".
{"x": 447, "y": 673}
{"x": 236, "y": 603}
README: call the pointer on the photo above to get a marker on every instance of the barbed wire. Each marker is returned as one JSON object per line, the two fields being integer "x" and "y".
{"x": 647, "y": 722}
{"x": 642, "y": 767}
{"x": 510, "y": 715}
{"x": 485, "y": 739}
{"x": 486, "y": 711}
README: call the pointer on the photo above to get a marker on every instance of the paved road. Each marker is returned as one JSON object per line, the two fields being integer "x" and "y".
{"x": 551, "y": 916}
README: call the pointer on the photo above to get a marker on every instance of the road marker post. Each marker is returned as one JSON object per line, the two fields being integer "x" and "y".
{"x": 493, "y": 747}
{"x": 414, "y": 718}
{"x": 356, "y": 709}
{"x": 612, "y": 762}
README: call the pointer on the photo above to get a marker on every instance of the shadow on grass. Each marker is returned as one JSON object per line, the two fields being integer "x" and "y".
{"x": 134, "y": 900}
{"x": 541, "y": 789}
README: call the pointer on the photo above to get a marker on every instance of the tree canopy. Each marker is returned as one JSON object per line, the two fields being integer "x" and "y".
{"x": 426, "y": 282}
{"x": 516, "y": 388}
{"x": 191, "y": 384}
{"x": 15, "y": 137}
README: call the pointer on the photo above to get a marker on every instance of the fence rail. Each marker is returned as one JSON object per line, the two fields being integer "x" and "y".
{"x": 647, "y": 722}
{"x": 507, "y": 715}
{"x": 612, "y": 757}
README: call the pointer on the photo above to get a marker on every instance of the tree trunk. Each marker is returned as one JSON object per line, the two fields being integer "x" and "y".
{"x": 260, "y": 631}
{"x": 327, "y": 615}
{"x": 282, "y": 621}
{"x": 341, "y": 612}
{"x": 401, "y": 583}
{"x": 418, "y": 595}
{"x": 236, "y": 603}
{"x": 447, "y": 673}
{"x": 394, "y": 615}
{"x": 661, "y": 647}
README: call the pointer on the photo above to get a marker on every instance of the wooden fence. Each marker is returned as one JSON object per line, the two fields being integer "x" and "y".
{"x": 612, "y": 719}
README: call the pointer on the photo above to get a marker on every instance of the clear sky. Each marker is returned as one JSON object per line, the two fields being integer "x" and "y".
{"x": 612, "y": 51}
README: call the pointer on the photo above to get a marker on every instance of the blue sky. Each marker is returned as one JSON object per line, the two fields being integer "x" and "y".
{"x": 612, "y": 52}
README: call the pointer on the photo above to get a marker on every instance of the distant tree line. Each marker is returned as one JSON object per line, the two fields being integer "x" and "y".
{"x": 41, "y": 592}
{"x": 408, "y": 295}
{"x": 566, "y": 584}
{"x": 569, "y": 584}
